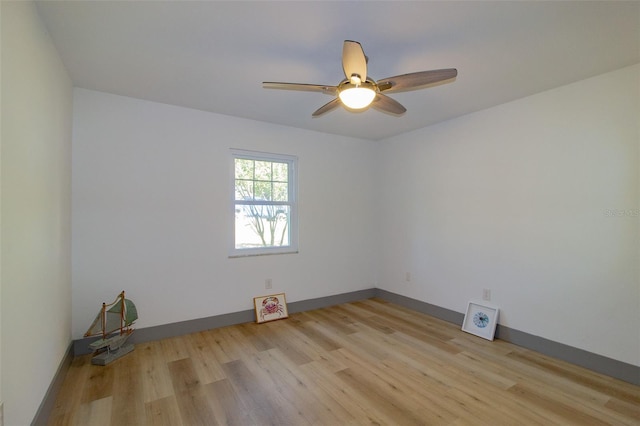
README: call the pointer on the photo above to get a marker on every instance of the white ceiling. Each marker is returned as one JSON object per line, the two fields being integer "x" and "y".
{"x": 213, "y": 55}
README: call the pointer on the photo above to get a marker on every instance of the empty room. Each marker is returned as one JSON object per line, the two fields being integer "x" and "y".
{"x": 367, "y": 212}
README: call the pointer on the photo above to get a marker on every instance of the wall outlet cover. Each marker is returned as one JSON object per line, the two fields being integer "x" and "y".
{"x": 486, "y": 294}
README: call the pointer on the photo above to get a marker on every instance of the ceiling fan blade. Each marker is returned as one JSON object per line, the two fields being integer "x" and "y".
{"x": 329, "y": 106}
{"x": 416, "y": 80}
{"x": 353, "y": 60}
{"x": 385, "y": 104}
{"x": 329, "y": 90}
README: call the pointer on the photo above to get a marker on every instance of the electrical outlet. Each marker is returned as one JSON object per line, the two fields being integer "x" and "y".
{"x": 267, "y": 284}
{"x": 407, "y": 276}
{"x": 486, "y": 294}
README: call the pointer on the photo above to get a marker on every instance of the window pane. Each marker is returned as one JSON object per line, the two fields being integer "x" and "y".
{"x": 263, "y": 170}
{"x": 280, "y": 172}
{"x": 280, "y": 191}
{"x": 262, "y": 226}
{"x": 244, "y": 168}
{"x": 244, "y": 190}
{"x": 263, "y": 191}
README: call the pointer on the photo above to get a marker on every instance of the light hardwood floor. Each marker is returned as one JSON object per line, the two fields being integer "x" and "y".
{"x": 368, "y": 362}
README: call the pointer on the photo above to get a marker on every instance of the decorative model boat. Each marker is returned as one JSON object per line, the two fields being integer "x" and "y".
{"x": 113, "y": 325}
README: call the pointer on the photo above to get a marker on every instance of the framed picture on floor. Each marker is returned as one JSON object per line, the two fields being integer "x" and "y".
{"x": 480, "y": 320}
{"x": 269, "y": 308}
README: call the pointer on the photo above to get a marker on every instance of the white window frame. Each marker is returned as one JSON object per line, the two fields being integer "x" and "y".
{"x": 292, "y": 202}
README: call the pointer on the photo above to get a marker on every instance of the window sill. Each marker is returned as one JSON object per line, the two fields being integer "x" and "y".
{"x": 254, "y": 254}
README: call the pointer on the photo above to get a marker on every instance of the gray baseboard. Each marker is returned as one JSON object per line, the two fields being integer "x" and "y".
{"x": 601, "y": 364}
{"x": 165, "y": 331}
{"x": 323, "y": 302}
{"x": 598, "y": 363}
{"x": 423, "y": 307}
{"x": 49, "y": 400}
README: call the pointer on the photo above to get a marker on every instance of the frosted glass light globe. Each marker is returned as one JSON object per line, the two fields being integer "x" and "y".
{"x": 357, "y": 97}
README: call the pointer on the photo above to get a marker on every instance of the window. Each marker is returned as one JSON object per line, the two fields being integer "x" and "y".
{"x": 264, "y": 206}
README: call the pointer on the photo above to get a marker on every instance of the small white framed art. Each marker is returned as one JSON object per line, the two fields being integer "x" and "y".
{"x": 480, "y": 320}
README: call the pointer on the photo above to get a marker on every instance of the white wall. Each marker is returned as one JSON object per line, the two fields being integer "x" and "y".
{"x": 36, "y": 205}
{"x": 515, "y": 199}
{"x": 151, "y": 187}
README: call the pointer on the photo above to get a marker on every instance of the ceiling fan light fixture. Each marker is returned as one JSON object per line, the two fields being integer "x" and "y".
{"x": 357, "y": 96}
{"x": 357, "y": 92}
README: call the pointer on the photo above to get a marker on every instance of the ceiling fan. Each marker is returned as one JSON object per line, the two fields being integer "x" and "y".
{"x": 357, "y": 91}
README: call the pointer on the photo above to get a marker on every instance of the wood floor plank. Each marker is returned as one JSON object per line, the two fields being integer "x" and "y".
{"x": 577, "y": 375}
{"x": 366, "y": 362}
{"x": 183, "y": 375}
{"x": 255, "y": 334}
{"x": 363, "y": 344}
{"x": 191, "y": 397}
{"x": 127, "y": 405}
{"x": 235, "y": 338}
{"x": 293, "y": 386}
{"x": 434, "y": 327}
{"x": 262, "y": 401}
{"x": 310, "y": 341}
{"x": 222, "y": 350}
{"x": 96, "y": 412}
{"x": 173, "y": 349}
{"x": 483, "y": 369}
{"x": 331, "y": 321}
{"x": 320, "y": 338}
{"x": 163, "y": 412}
{"x": 364, "y": 317}
{"x": 154, "y": 374}
{"x": 420, "y": 330}
{"x": 99, "y": 384}
{"x": 348, "y": 398}
{"x": 227, "y": 406}
{"x": 515, "y": 366}
{"x": 282, "y": 339}
{"x": 207, "y": 368}
{"x": 557, "y": 410}
{"x": 66, "y": 403}
{"x": 195, "y": 407}
{"x": 295, "y": 377}
{"x": 627, "y": 409}
{"x": 397, "y": 378}
{"x": 378, "y": 393}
